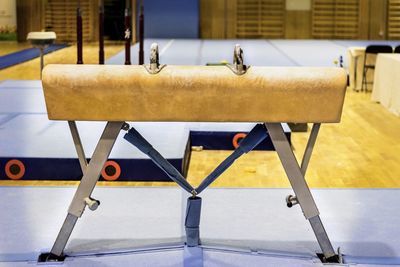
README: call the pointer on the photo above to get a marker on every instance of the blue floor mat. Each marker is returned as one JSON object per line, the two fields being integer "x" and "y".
{"x": 25, "y": 55}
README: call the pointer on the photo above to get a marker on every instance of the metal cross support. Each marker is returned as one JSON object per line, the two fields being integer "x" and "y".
{"x": 91, "y": 173}
{"x": 295, "y": 174}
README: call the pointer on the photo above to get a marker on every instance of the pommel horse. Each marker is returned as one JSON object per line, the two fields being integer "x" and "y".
{"x": 232, "y": 93}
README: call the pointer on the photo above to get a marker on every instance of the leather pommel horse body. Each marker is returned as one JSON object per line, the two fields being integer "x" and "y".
{"x": 268, "y": 95}
{"x": 194, "y": 94}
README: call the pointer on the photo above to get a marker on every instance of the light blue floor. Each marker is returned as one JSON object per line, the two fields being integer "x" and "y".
{"x": 254, "y": 224}
{"x": 34, "y": 135}
{"x": 311, "y": 53}
{"x": 272, "y": 52}
{"x": 26, "y": 131}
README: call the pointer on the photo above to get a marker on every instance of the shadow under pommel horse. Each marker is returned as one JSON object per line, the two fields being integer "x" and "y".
{"x": 164, "y": 93}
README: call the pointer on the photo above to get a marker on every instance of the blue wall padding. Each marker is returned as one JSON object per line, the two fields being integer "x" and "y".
{"x": 69, "y": 169}
{"x": 26, "y": 54}
{"x": 192, "y": 221}
{"x": 223, "y": 140}
{"x": 171, "y": 19}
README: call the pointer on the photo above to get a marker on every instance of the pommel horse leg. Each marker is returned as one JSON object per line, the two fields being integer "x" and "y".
{"x": 91, "y": 173}
{"x": 192, "y": 221}
{"x": 295, "y": 174}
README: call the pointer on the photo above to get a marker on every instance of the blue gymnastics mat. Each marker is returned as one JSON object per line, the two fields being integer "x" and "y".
{"x": 257, "y": 52}
{"x": 220, "y": 136}
{"x": 26, "y": 54}
{"x": 141, "y": 226}
{"x": 46, "y": 150}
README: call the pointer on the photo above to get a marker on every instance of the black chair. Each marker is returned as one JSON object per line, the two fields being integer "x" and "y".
{"x": 397, "y": 49}
{"x": 372, "y": 50}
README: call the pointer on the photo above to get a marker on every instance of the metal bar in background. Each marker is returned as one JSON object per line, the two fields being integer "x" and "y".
{"x": 79, "y": 34}
{"x": 78, "y": 145}
{"x": 101, "y": 32}
{"x": 141, "y": 33}
{"x": 128, "y": 33}
{"x": 41, "y": 60}
{"x": 309, "y": 148}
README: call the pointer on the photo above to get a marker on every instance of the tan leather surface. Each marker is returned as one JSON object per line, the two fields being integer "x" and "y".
{"x": 193, "y": 93}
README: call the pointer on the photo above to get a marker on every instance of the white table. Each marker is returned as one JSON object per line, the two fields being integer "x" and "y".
{"x": 386, "y": 88}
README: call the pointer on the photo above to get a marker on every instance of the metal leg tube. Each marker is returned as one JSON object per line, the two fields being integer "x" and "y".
{"x": 309, "y": 148}
{"x": 192, "y": 221}
{"x": 322, "y": 237}
{"x": 299, "y": 184}
{"x": 292, "y": 170}
{"x": 78, "y": 145}
{"x": 88, "y": 182}
{"x": 64, "y": 235}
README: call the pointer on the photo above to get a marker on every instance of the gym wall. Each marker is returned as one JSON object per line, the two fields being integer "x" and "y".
{"x": 8, "y": 20}
{"x": 300, "y": 19}
{"x": 219, "y": 19}
{"x": 171, "y": 19}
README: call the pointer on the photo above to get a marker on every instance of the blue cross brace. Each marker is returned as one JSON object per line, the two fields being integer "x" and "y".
{"x": 193, "y": 209}
{"x": 136, "y": 139}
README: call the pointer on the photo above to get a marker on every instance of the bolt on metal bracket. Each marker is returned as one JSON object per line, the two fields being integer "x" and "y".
{"x": 93, "y": 204}
{"x": 291, "y": 201}
{"x": 154, "y": 67}
{"x": 125, "y": 126}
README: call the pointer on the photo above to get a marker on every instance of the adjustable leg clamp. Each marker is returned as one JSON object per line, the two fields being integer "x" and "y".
{"x": 192, "y": 221}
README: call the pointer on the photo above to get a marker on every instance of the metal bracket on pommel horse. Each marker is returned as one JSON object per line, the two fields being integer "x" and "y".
{"x": 232, "y": 93}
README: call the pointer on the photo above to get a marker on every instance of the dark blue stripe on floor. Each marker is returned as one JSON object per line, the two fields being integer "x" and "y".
{"x": 223, "y": 140}
{"x": 68, "y": 169}
{"x": 26, "y": 54}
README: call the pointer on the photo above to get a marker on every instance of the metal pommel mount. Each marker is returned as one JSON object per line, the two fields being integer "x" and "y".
{"x": 238, "y": 67}
{"x": 154, "y": 67}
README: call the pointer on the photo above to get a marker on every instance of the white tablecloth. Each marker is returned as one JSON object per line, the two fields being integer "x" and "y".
{"x": 386, "y": 88}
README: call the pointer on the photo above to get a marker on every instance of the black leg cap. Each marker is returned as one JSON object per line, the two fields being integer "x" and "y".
{"x": 333, "y": 259}
{"x": 50, "y": 257}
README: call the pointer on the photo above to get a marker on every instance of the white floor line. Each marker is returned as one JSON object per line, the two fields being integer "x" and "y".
{"x": 165, "y": 48}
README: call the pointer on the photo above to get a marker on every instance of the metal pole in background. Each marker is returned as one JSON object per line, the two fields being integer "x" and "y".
{"x": 41, "y": 60}
{"x": 101, "y": 32}
{"x": 79, "y": 34}
{"x": 128, "y": 34}
{"x": 141, "y": 34}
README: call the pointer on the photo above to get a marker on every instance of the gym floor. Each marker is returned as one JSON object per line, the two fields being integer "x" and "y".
{"x": 358, "y": 156}
{"x": 359, "y": 152}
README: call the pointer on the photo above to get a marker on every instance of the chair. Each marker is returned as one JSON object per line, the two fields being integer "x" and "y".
{"x": 397, "y": 49}
{"x": 372, "y": 50}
